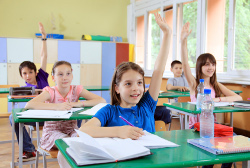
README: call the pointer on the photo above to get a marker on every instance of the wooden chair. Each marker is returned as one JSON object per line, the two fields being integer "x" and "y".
{"x": 160, "y": 126}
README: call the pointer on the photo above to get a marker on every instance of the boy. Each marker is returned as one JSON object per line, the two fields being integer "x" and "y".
{"x": 179, "y": 81}
{"x": 38, "y": 80}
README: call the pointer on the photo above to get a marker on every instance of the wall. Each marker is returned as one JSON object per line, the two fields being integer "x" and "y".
{"x": 71, "y": 18}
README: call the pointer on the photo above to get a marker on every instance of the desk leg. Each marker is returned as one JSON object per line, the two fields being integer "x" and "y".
{"x": 186, "y": 122}
{"x": 38, "y": 135}
{"x": 231, "y": 119}
{"x": 246, "y": 164}
{"x": 13, "y": 142}
{"x": 21, "y": 145}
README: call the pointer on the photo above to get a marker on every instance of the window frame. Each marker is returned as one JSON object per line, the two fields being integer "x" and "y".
{"x": 139, "y": 8}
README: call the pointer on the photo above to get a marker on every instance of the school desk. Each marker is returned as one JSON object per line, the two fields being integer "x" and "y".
{"x": 186, "y": 155}
{"x": 190, "y": 110}
{"x": 21, "y": 122}
{"x": 4, "y": 90}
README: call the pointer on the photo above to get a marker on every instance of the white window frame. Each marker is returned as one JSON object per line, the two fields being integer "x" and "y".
{"x": 142, "y": 8}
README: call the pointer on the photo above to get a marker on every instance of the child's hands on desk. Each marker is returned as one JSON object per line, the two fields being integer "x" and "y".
{"x": 130, "y": 132}
{"x": 183, "y": 89}
{"x": 63, "y": 106}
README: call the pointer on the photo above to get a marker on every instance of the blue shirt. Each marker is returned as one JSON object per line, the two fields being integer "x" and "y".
{"x": 141, "y": 115}
{"x": 41, "y": 79}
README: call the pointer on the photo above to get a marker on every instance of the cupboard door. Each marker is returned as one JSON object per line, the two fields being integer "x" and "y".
{"x": 3, "y": 70}
{"x": 3, "y": 50}
{"x": 122, "y": 53}
{"x": 76, "y": 74}
{"x": 91, "y": 75}
{"x": 69, "y": 51}
{"x": 14, "y": 77}
{"x": 91, "y": 52}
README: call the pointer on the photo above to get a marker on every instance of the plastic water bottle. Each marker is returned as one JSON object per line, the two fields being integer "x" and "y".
{"x": 200, "y": 94}
{"x": 207, "y": 117}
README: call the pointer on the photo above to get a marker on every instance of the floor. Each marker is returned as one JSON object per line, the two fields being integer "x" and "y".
{"x": 5, "y": 149}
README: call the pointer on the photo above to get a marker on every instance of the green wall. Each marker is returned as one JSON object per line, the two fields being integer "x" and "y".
{"x": 73, "y": 18}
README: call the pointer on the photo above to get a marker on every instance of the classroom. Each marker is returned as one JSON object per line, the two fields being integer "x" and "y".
{"x": 98, "y": 35}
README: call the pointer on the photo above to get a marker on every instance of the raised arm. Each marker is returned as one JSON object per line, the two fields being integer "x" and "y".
{"x": 184, "y": 57}
{"x": 44, "y": 48}
{"x": 230, "y": 96}
{"x": 161, "y": 59}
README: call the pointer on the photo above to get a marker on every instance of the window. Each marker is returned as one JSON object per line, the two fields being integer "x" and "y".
{"x": 241, "y": 60}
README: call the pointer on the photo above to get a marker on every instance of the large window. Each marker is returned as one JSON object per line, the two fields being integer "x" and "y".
{"x": 241, "y": 60}
{"x": 220, "y": 27}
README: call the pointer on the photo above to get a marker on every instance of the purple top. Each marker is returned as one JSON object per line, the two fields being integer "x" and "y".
{"x": 41, "y": 79}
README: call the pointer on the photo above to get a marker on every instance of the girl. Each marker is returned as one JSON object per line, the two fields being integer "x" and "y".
{"x": 205, "y": 69}
{"x": 61, "y": 97}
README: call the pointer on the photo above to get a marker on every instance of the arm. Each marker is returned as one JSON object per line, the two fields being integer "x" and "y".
{"x": 184, "y": 57}
{"x": 44, "y": 48}
{"x": 38, "y": 103}
{"x": 230, "y": 96}
{"x": 94, "y": 129}
{"x": 91, "y": 99}
{"x": 181, "y": 88}
{"x": 161, "y": 59}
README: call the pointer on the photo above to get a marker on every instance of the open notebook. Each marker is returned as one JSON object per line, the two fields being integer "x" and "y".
{"x": 48, "y": 114}
{"x": 85, "y": 150}
{"x": 223, "y": 145}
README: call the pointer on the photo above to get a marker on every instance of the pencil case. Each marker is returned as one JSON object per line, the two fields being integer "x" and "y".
{"x": 219, "y": 130}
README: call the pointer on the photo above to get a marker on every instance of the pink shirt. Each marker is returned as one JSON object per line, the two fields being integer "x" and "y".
{"x": 53, "y": 130}
{"x": 193, "y": 120}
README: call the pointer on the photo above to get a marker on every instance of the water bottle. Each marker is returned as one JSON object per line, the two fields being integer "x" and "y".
{"x": 207, "y": 117}
{"x": 200, "y": 94}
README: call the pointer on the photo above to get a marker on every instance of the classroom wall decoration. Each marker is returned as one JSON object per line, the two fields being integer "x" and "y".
{"x": 93, "y": 62}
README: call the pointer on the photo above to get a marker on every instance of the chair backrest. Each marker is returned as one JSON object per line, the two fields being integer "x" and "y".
{"x": 160, "y": 126}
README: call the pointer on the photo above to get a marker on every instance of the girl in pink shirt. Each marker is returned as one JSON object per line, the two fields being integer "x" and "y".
{"x": 205, "y": 69}
{"x": 63, "y": 96}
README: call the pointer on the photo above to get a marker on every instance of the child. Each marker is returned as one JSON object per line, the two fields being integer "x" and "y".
{"x": 38, "y": 80}
{"x": 63, "y": 96}
{"x": 179, "y": 81}
{"x": 205, "y": 69}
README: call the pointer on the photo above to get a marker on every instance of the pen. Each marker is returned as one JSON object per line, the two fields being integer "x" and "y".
{"x": 126, "y": 121}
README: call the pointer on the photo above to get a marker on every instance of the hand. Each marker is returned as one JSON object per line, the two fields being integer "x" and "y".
{"x": 183, "y": 89}
{"x": 41, "y": 29}
{"x": 75, "y": 104}
{"x": 216, "y": 99}
{"x": 162, "y": 24}
{"x": 64, "y": 106}
{"x": 185, "y": 31}
{"x": 130, "y": 132}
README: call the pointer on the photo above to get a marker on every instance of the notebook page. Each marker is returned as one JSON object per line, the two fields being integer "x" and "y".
{"x": 94, "y": 109}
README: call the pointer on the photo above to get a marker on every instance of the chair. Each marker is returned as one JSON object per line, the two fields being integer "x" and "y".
{"x": 160, "y": 125}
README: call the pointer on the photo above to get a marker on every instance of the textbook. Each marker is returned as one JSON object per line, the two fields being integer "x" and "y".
{"x": 85, "y": 150}
{"x": 51, "y": 114}
{"x": 223, "y": 145}
{"x": 242, "y": 104}
{"x": 94, "y": 109}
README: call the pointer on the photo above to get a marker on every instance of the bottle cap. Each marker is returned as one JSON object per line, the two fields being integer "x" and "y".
{"x": 207, "y": 91}
{"x": 201, "y": 80}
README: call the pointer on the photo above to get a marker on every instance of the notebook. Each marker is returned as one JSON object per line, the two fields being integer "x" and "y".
{"x": 223, "y": 145}
{"x": 51, "y": 114}
{"x": 242, "y": 104}
{"x": 94, "y": 109}
{"x": 217, "y": 104}
{"x": 85, "y": 150}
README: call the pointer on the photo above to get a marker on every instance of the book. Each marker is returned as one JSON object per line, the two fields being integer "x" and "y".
{"x": 242, "y": 104}
{"x": 85, "y": 150}
{"x": 47, "y": 114}
{"x": 218, "y": 104}
{"x": 223, "y": 145}
{"x": 94, "y": 109}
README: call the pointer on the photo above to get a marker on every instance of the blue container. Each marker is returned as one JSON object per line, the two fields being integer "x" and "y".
{"x": 54, "y": 36}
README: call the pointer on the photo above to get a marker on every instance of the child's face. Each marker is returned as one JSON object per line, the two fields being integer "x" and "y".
{"x": 63, "y": 76}
{"x": 130, "y": 88}
{"x": 208, "y": 69}
{"x": 177, "y": 70}
{"x": 29, "y": 75}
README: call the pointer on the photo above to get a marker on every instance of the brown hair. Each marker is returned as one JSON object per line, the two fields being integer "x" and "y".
{"x": 201, "y": 61}
{"x": 117, "y": 76}
{"x": 58, "y": 63}
{"x": 175, "y": 62}
{"x": 27, "y": 64}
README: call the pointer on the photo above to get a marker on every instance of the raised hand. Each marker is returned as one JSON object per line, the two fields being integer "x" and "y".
{"x": 130, "y": 132}
{"x": 185, "y": 31}
{"x": 162, "y": 23}
{"x": 41, "y": 29}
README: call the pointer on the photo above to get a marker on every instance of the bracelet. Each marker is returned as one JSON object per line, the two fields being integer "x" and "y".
{"x": 219, "y": 99}
{"x": 82, "y": 103}
{"x": 43, "y": 39}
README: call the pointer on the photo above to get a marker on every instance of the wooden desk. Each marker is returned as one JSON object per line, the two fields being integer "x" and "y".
{"x": 186, "y": 155}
